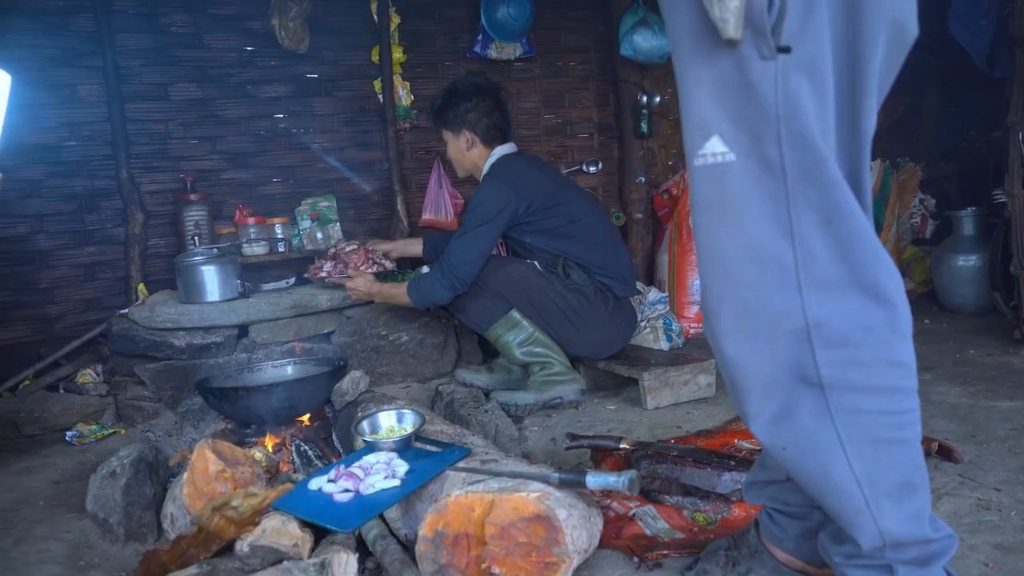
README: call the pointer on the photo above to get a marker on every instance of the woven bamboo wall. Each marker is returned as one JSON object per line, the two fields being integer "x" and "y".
{"x": 61, "y": 229}
{"x": 562, "y": 100}
{"x": 209, "y": 93}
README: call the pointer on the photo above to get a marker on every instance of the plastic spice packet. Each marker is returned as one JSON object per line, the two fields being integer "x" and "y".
{"x": 88, "y": 432}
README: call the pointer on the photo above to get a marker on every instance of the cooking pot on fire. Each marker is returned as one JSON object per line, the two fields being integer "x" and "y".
{"x": 272, "y": 393}
{"x": 208, "y": 274}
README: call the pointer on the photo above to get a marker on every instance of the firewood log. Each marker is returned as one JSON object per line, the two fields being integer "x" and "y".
{"x": 473, "y": 525}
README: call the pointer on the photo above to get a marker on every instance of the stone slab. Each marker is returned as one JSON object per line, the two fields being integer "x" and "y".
{"x": 298, "y": 328}
{"x": 665, "y": 377}
{"x": 162, "y": 311}
{"x": 131, "y": 339}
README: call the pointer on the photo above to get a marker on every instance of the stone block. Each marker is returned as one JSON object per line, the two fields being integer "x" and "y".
{"x": 130, "y": 339}
{"x": 297, "y": 328}
{"x": 126, "y": 492}
{"x": 469, "y": 408}
{"x": 396, "y": 344}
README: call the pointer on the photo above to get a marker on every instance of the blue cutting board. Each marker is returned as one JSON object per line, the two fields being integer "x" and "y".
{"x": 318, "y": 508}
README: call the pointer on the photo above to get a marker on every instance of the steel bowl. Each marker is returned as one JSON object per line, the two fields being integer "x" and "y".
{"x": 377, "y": 422}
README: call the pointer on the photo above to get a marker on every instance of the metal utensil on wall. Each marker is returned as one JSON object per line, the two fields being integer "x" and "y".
{"x": 589, "y": 166}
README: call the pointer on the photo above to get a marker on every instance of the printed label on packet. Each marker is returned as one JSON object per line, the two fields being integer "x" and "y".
{"x": 653, "y": 524}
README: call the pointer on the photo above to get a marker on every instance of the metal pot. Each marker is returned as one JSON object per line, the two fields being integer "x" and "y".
{"x": 272, "y": 393}
{"x": 206, "y": 275}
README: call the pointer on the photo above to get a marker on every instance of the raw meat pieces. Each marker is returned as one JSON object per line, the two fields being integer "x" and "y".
{"x": 373, "y": 473}
{"x": 349, "y": 255}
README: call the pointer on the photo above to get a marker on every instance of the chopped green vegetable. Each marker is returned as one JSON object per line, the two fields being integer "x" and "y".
{"x": 392, "y": 432}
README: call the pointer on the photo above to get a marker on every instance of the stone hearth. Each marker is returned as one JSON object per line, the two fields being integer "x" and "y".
{"x": 170, "y": 345}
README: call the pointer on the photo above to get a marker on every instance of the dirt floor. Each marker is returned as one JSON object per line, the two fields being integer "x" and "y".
{"x": 972, "y": 390}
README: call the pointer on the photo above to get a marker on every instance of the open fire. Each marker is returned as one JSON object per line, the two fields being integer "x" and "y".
{"x": 280, "y": 444}
{"x": 270, "y": 441}
{"x": 301, "y": 448}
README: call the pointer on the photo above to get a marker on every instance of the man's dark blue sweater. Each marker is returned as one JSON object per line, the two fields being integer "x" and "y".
{"x": 542, "y": 215}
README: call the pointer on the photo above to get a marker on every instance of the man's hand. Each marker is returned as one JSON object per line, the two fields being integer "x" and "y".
{"x": 385, "y": 247}
{"x": 360, "y": 285}
{"x": 402, "y": 248}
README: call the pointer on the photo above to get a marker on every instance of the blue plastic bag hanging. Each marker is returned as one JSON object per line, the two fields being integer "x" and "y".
{"x": 485, "y": 46}
{"x": 642, "y": 36}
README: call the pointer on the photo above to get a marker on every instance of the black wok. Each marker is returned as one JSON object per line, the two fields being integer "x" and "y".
{"x": 272, "y": 393}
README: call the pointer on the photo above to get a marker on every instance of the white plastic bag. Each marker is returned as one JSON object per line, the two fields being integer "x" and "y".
{"x": 657, "y": 327}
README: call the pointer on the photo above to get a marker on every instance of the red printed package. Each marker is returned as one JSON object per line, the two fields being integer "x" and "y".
{"x": 442, "y": 203}
{"x": 650, "y": 531}
{"x": 675, "y": 270}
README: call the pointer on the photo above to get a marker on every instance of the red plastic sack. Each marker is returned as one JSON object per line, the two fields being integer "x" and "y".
{"x": 649, "y": 531}
{"x": 442, "y": 203}
{"x": 676, "y": 271}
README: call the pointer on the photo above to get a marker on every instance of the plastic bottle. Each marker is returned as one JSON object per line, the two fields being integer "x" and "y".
{"x": 194, "y": 216}
{"x": 314, "y": 237}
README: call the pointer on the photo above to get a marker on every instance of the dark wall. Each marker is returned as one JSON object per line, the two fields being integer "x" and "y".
{"x": 210, "y": 93}
{"x": 61, "y": 221}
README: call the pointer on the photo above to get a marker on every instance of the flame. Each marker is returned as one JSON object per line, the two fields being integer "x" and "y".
{"x": 270, "y": 441}
{"x": 304, "y": 419}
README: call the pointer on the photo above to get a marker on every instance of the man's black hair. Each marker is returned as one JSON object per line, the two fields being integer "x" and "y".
{"x": 475, "y": 103}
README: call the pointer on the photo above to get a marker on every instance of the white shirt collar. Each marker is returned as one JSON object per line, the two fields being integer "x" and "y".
{"x": 506, "y": 148}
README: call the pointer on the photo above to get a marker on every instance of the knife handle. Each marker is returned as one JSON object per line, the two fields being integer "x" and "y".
{"x": 626, "y": 481}
{"x": 612, "y": 443}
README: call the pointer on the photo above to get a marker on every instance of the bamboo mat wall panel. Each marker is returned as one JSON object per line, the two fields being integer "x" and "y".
{"x": 562, "y": 100}
{"x": 61, "y": 220}
{"x": 211, "y": 94}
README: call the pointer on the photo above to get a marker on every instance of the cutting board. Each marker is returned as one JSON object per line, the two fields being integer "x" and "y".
{"x": 427, "y": 459}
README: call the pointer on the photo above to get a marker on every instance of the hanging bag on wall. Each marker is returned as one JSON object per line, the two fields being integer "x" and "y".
{"x": 676, "y": 261}
{"x": 642, "y": 37}
{"x": 442, "y": 203}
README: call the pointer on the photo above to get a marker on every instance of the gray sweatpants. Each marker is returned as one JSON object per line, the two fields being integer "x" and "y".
{"x": 805, "y": 311}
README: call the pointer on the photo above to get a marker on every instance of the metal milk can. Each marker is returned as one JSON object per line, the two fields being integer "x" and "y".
{"x": 960, "y": 265}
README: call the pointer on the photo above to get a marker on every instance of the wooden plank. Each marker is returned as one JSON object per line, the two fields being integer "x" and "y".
{"x": 665, "y": 378}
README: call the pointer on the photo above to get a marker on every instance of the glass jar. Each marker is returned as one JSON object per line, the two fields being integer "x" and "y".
{"x": 279, "y": 234}
{"x": 226, "y": 233}
{"x": 195, "y": 218}
{"x": 252, "y": 228}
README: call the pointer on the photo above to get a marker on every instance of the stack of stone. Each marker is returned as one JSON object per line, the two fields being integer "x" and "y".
{"x": 169, "y": 345}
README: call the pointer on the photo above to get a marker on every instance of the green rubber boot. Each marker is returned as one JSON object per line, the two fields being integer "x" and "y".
{"x": 551, "y": 382}
{"x": 500, "y": 374}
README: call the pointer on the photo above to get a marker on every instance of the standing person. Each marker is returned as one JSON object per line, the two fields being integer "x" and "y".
{"x": 564, "y": 290}
{"x": 804, "y": 309}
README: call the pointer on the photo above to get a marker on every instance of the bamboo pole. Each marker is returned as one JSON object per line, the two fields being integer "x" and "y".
{"x": 400, "y": 221}
{"x": 12, "y": 382}
{"x": 1014, "y": 184}
{"x": 135, "y": 237}
{"x": 636, "y": 201}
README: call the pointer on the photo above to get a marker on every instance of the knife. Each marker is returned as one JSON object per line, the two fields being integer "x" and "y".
{"x": 627, "y": 481}
{"x": 694, "y": 453}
